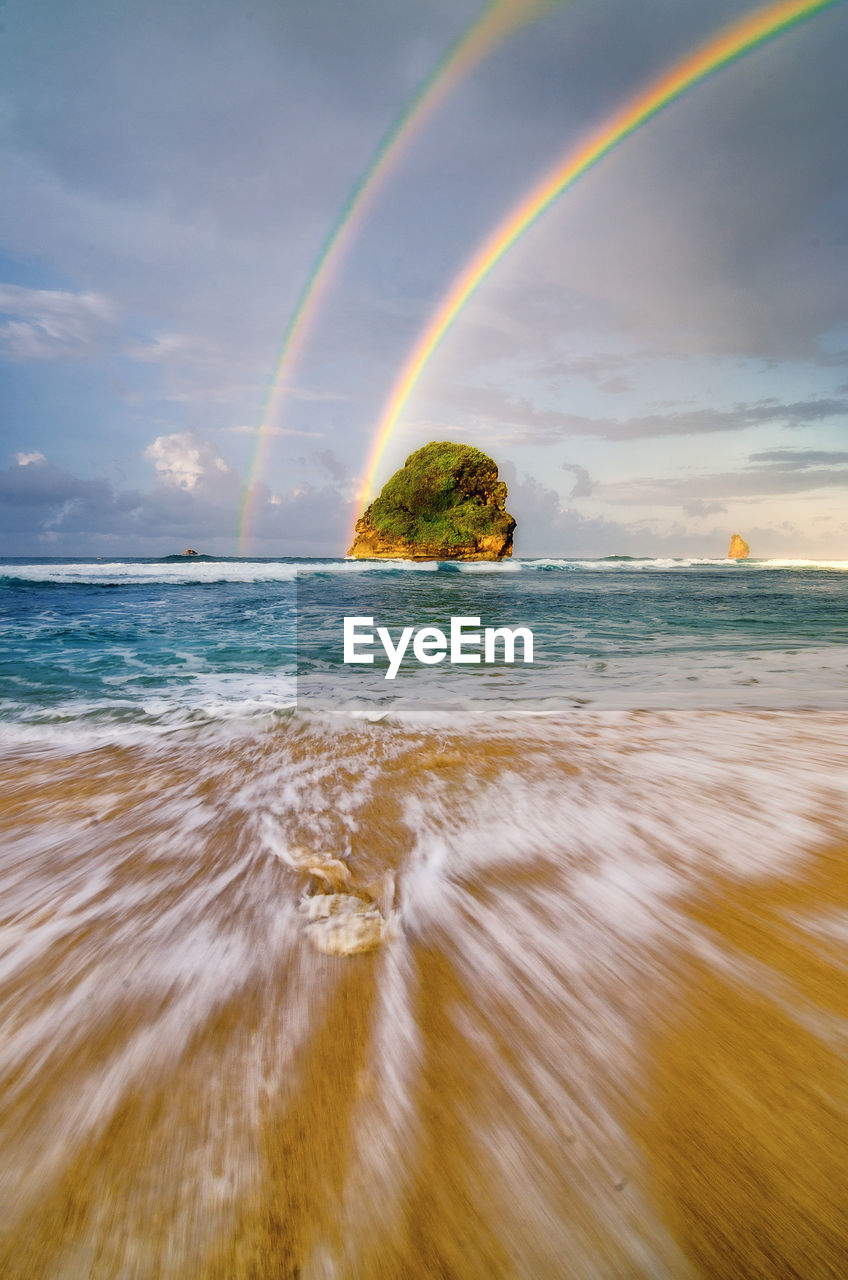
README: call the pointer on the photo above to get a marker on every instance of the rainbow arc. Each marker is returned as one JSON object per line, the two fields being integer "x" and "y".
{"x": 730, "y": 44}
{"x": 498, "y": 20}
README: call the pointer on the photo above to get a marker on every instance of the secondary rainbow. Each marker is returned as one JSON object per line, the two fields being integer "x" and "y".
{"x": 731, "y": 43}
{"x": 498, "y": 20}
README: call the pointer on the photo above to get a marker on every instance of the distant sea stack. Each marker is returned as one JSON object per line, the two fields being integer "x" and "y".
{"x": 445, "y": 503}
{"x": 739, "y": 549}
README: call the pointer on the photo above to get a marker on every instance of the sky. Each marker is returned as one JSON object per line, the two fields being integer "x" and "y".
{"x": 660, "y": 361}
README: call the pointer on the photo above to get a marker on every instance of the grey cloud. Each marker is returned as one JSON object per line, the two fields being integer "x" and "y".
{"x": 299, "y": 84}
{"x": 190, "y": 159}
{"x": 531, "y": 424}
{"x": 832, "y": 360}
{"x": 45, "y": 508}
{"x": 583, "y": 481}
{"x": 249, "y": 125}
{"x": 751, "y": 484}
{"x": 607, "y": 369}
{"x": 616, "y": 385}
{"x": 37, "y": 498}
{"x": 326, "y": 462}
{"x": 719, "y": 228}
{"x": 700, "y": 509}
{"x": 546, "y": 528}
{"x": 800, "y": 459}
{"x": 706, "y": 421}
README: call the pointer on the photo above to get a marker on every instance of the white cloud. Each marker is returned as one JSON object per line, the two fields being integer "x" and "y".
{"x": 184, "y": 460}
{"x": 48, "y": 324}
{"x": 29, "y": 459}
{"x": 162, "y": 346}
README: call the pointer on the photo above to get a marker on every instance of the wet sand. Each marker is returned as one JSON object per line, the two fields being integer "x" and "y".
{"x": 605, "y": 1037}
{"x": 745, "y": 1119}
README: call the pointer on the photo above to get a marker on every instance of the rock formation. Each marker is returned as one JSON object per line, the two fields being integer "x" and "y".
{"x": 445, "y": 503}
{"x": 342, "y": 918}
{"x": 739, "y": 549}
{"x": 342, "y": 924}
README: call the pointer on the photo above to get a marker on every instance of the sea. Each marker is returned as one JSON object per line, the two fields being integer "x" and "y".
{"x": 599, "y": 1025}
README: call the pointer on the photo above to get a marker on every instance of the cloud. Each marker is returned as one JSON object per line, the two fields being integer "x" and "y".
{"x": 801, "y": 459}
{"x": 707, "y": 421}
{"x": 547, "y": 528}
{"x": 37, "y": 499}
{"x": 326, "y": 461}
{"x": 161, "y": 347}
{"x": 719, "y": 228}
{"x": 41, "y": 504}
{"x": 700, "y": 509}
{"x": 529, "y": 423}
{"x": 750, "y": 483}
{"x": 45, "y": 504}
{"x": 184, "y": 461}
{"x": 29, "y": 459}
{"x": 608, "y": 370}
{"x": 46, "y": 324}
{"x": 246, "y": 429}
{"x": 583, "y": 484}
{"x": 316, "y": 395}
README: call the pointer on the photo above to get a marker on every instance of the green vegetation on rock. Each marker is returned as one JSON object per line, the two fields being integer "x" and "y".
{"x": 445, "y": 503}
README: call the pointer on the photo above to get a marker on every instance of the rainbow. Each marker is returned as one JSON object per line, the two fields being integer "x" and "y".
{"x": 498, "y": 20}
{"x": 732, "y": 42}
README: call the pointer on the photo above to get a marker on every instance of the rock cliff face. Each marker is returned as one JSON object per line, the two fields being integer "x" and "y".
{"x": 739, "y": 549}
{"x": 445, "y": 503}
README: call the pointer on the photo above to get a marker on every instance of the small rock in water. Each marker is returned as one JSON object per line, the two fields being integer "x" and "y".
{"x": 324, "y": 866}
{"x": 739, "y": 549}
{"x": 340, "y": 924}
{"x": 331, "y": 870}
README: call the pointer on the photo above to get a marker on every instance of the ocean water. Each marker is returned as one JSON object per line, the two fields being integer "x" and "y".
{"x": 604, "y": 1034}
{"x": 93, "y": 646}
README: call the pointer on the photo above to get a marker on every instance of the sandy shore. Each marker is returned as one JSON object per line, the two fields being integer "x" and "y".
{"x": 604, "y": 1037}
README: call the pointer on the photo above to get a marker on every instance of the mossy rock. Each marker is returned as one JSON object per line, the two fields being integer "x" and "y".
{"x": 445, "y": 503}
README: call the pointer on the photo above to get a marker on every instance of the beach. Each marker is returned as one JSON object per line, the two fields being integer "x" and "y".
{"x": 604, "y": 1033}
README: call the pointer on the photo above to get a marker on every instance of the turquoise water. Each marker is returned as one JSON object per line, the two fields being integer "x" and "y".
{"x": 139, "y": 643}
